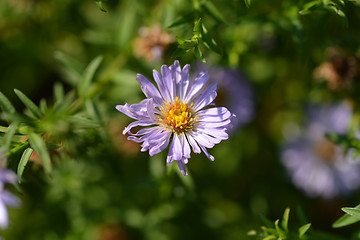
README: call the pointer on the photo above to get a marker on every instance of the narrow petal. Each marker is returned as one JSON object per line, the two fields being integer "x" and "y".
{"x": 163, "y": 143}
{"x": 193, "y": 144}
{"x": 202, "y": 139}
{"x": 177, "y": 149}
{"x": 170, "y": 157}
{"x": 185, "y": 80}
{"x": 198, "y": 83}
{"x": 210, "y": 157}
{"x": 185, "y": 146}
{"x": 149, "y": 89}
{"x": 168, "y": 81}
{"x": 216, "y": 111}
{"x": 150, "y": 109}
{"x": 10, "y": 199}
{"x": 136, "y": 111}
{"x": 215, "y": 132}
{"x": 206, "y": 97}
{"x": 159, "y": 81}
{"x": 137, "y": 123}
{"x": 181, "y": 164}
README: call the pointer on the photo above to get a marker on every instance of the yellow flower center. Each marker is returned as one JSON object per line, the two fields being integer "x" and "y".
{"x": 178, "y": 115}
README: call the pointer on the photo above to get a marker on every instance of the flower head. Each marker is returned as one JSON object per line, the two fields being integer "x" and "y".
{"x": 316, "y": 165}
{"x": 178, "y": 111}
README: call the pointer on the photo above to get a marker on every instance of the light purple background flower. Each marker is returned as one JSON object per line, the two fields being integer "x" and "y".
{"x": 322, "y": 172}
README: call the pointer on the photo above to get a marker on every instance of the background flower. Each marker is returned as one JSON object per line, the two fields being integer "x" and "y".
{"x": 315, "y": 164}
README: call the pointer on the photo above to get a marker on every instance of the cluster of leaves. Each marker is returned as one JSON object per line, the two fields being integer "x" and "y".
{"x": 201, "y": 35}
{"x": 48, "y": 127}
{"x": 279, "y": 230}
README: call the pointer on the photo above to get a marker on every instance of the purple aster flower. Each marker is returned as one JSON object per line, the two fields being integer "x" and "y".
{"x": 316, "y": 165}
{"x": 234, "y": 92}
{"x": 178, "y": 111}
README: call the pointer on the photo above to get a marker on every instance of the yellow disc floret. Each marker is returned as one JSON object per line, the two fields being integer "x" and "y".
{"x": 177, "y": 115}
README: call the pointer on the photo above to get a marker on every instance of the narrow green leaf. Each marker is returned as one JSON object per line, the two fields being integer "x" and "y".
{"x": 247, "y": 3}
{"x": 281, "y": 232}
{"x": 345, "y": 220}
{"x": 88, "y": 75}
{"x": 23, "y": 161}
{"x": 213, "y": 11}
{"x": 197, "y": 27}
{"x": 303, "y": 229}
{"x": 38, "y": 144}
{"x": 308, "y": 7}
{"x": 188, "y": 18}
{"x": 72, "y": 68}
{"x": 199, "y": 54}
{"x": 179, "y": 52}
{"x": 6, "y": 104}
{"x": 208, "y": 41}
{"x": 93, "y": 110}
{"x": 285, "y": 219}
{"x": 9, "y": 135}
{"x": 35, "y": 110}
{"x": 355, "y": 212}
{"x": 43, "y": 106}
{"x": 100, "y": 5}
{"x": 58, "y": 92}
{"x": 188, "y": 44}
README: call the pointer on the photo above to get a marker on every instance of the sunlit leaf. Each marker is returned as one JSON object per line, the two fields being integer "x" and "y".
{"x": 247, "y": 3}
{"x": 199, "y": 54}
{"x": 208, "y": 41}
{"x": 31, "y": 106}
{"x": 9, "y": 135}
{"x": 285, "y": 219}
{"x": 345, "y": 220}
{"x": 197, "y": 27}
{"x": 38, "y": 144}
{"x": 281, "y": 232}
{"x": 308, "y": 7}
{"x": 355, "y": 212}
{"x": 23, "y": 161}
{"x": 100, "y": 5}
{"x": 188, "y": 44}
{"x": 303, "y": 229}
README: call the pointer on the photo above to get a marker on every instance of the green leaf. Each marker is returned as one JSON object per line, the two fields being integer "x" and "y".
{"x": 209, "y": 42}
{"x": 100, "y": 5}
{"x": 199, "y": 54}
{"x": 213, "y": 11}
{"x": 281, "y": 232}
{"x": 23, "y": 161}
{"x": 58, "y": 92}
{"x": 308, "y": 7}
{"x": 38, "y": 144}
{"x": 9, "y": 135}
{"x": 6, "y": 104}
{"x": 247, "y": 3}
{"x": 345, "y": 220}
{"x": 179, "y": 52}
{"x": 188, "y": 44}
{"x": 88, "y": 75}
{"x": 197, "y": 27}
{"x": 43, "y": 106}
{"x": 303, "y": 229}
{"x": 355, "y": 212}
{"x": 188, "y": 18}
{"x": 285, "y": 219}
{"x": 72, "y": 68}
{"x": 35, "y": 110}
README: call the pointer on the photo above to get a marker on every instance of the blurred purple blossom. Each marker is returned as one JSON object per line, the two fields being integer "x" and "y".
{"x": 234, "y": 92}
{"x": 314, "y": 163}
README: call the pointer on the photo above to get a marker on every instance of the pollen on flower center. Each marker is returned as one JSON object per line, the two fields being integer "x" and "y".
{"x": 178, "y": 115}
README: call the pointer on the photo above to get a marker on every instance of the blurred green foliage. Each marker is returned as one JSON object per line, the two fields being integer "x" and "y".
{"x": 70, "y": 63}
